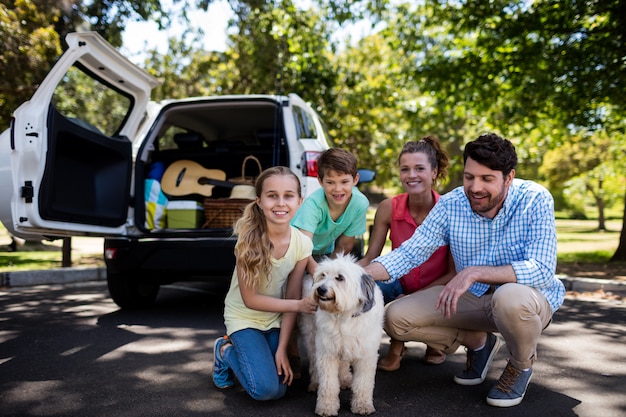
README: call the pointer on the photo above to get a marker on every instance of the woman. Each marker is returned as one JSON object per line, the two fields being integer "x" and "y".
{"x": 421, "y": 164}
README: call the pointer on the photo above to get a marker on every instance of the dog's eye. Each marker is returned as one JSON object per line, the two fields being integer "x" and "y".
{"x": 339, "y": 277}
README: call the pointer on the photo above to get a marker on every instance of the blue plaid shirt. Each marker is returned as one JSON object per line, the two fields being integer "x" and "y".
{"x": 522, "y": 234}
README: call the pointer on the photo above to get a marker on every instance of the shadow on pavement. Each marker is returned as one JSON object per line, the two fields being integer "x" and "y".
{"x": 69, "y": 351}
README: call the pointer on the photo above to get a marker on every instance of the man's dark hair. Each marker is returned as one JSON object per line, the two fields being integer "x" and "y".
{"x": 492, "y": 151}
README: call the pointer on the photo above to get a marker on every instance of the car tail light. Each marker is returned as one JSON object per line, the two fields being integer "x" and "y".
{"x": 110, "y": 253}
{"x": 310, "y": 159}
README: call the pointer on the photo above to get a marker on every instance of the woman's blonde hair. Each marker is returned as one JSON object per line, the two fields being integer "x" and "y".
{"x": 253, "y": 249}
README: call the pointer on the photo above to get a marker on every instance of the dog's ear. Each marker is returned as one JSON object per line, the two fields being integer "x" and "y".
{"x": 368, "y": 287}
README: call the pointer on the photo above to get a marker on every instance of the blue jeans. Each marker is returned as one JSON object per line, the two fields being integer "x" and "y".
{"x": 251, "y": 358}
{"x": 390, "y": 291}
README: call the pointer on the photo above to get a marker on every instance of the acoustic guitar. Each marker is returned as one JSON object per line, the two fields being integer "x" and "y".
{"x": 187, "y": 177}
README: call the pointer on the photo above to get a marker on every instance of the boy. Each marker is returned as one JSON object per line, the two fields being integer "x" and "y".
{"x": 335, "y": 214}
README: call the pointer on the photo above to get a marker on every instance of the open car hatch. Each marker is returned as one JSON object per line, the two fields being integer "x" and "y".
{"x": 67, "y": 157}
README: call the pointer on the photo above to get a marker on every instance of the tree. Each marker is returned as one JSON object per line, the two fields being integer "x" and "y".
{"x": 521, "y": 64}
{"x": 583, "y": 165}
{"x": 33, "y": 34}
{"x": 30, "y": 44}
{"x": 280, "y": 48}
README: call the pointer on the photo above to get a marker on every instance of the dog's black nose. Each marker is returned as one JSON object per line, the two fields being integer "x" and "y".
{"x": 321, "y": 290}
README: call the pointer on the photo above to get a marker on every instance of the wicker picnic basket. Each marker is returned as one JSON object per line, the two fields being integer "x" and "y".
{"x": 222, "y": 213}
{"x": 247, "y": 180}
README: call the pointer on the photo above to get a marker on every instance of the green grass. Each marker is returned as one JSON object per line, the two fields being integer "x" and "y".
{"x": 20, "y": 261}
{"x": 596, "y": 257}
{"x": 581, "y": 241}
{"x": 44, "y": 255}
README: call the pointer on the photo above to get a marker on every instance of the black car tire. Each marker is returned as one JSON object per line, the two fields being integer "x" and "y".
{"x": 128, "y": 292}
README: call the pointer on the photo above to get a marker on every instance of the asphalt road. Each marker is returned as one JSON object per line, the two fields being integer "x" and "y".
{"x": 69, "y": 351}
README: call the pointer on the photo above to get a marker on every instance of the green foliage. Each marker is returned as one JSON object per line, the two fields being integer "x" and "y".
{"x": 563, "y": 59}
{"x": 368, "y": 115}
{"x": 74, "y": 99}
{"x": 33, "y": 33}
{"x": 584, "y": 166}
{"x": 30, "y": 44}
{"x": 278, "y": 48}
{"x": 109, "y": 17}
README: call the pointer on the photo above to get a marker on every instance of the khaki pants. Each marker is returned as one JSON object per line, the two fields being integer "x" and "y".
{"x": 518, "y": 312}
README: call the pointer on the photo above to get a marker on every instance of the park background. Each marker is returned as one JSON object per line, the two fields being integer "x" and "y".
{"x": 548, "y": 75}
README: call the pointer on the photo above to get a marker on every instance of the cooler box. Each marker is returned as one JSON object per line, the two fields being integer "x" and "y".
{"x": 182, "y": 214}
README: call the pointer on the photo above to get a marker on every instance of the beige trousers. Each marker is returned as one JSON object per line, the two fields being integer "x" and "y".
{"x": 518, "y": 312}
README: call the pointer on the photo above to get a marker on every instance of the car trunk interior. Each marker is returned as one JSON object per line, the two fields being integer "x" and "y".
{"x": 217, "y": 143}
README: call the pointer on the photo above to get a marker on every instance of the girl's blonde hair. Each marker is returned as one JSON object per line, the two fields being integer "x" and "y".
{"x": 254, "y": 248}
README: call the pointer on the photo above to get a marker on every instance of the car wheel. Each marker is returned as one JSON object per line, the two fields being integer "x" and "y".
{"x": 130, "y": 293}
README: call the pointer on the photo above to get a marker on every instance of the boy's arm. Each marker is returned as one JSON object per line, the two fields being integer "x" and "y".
{"x": 306, "y": 233}
{"x": 344, "y": 245}
{"x": 311, "y": 264}
{"x": 378, "y": 232}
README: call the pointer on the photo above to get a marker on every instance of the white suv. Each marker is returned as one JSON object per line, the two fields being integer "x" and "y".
{"x": 78, "y": 155}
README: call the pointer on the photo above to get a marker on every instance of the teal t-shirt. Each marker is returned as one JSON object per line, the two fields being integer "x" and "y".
{"x": 313, "y": 216}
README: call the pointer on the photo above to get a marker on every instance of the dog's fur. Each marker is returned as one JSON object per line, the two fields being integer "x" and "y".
{"x": 344, "y": 333}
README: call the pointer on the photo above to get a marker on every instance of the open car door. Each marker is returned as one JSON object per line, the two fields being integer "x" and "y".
{"x": 67, "y": 158}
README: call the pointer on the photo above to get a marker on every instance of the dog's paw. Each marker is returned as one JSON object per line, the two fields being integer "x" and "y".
{"x": 313, "y": 387}
{"x": 363, "y": 409}
{"x": 327, "y": 411}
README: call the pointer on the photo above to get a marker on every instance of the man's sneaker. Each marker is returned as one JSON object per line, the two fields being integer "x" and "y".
{"x": 478, "y": 362}
{"x": 511, "y": 387}
{"x": 223, "y": 377}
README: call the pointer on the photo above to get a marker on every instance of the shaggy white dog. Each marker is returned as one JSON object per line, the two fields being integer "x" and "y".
{"x": 344, "y": 333}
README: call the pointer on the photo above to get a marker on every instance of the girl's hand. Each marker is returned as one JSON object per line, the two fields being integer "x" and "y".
{"x": 283, "y": 367}
{"x": 307, "y": 305}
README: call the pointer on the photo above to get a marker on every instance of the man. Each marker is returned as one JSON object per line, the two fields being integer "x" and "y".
{"x": 502, "y": 237}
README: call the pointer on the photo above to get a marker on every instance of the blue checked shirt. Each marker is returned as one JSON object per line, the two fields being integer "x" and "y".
{"x": 522, "y": 234}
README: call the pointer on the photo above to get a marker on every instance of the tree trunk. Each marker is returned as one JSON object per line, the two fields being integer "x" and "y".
{"x": 601, "y": 221}
{"x": 599, "y": 198}
{"x": 600, "y": 202}
{"x": 620, "y": 253}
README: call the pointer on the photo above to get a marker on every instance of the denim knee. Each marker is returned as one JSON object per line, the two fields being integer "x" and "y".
{"x": 268, "y": 392}
{"x": 390, "y": 291}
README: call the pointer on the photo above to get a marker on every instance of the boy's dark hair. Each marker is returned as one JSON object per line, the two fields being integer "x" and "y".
{"x": 338, "y": 160}
{"x": 492, "y": 151}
